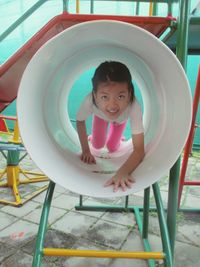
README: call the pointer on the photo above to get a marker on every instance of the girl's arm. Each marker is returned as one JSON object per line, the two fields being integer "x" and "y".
{"x": 86, "y": 155}
{"x": 123, "y": 178}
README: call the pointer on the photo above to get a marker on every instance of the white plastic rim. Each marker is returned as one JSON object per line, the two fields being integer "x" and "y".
{"x": 45, "y": 126}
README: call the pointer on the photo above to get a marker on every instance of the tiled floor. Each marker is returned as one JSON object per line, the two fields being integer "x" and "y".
{"x": 68, "y": 227}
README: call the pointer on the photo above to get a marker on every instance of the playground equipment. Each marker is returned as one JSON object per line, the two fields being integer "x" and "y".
{"x": 52, "y": 134}
{"x": 13, "y": 173}
{"x": 11, "y": 71}
{"x": 58, "y": 139}
{"x": 188, "y": 146}
{"x": 147, "y": 63}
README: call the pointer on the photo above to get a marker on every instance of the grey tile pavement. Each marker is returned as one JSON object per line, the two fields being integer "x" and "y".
{"x": 70, "y": 228}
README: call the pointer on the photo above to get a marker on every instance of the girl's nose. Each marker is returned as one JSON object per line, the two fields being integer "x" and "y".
{"x": 112, "y": 104}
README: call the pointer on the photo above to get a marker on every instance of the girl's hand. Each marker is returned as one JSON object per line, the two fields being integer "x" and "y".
{"x": 88, "y": 158}
{"x": 119, "y": 181}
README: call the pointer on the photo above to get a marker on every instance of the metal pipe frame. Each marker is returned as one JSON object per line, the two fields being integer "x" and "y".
{"x": 182, "y": 44}
{"x": 165, "y": 255}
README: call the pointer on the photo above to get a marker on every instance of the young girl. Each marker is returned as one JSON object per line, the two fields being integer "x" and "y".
{"x": 112, "y": 103}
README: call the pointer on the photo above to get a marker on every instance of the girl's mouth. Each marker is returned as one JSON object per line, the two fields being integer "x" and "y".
{"x": 112, "y": 112}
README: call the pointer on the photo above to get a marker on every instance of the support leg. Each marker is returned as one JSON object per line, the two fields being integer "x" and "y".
{"x": 166, "y": 241}
{"x": 146, "y": 213}
{"x": 173, "y": 203}
{"x": 43, "y": 226}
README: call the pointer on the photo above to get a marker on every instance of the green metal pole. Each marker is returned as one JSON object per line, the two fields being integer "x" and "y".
{"x": 181, "y": 52}
{"x": 126, "y": 202}
{"x": 91, "y": 6}
{"x": 21, "y": 19}
{"x": 170, "y": 8}
{"x": 4, "y": 154}
{"x": 173, "y": 203}
{"x": 183, "y": 27}
{"x": 81, "y": 200}
{"x": 155, "y": 8}
{"x": 146, "y": 213}
{"x": 147, "y": 247}
{"x": 65, "y": 5}
{"x": 13, "y": 158}
{"x": 43, "y": 226}
{"x": 21, "y": 158}
{"x": 137, "y": 9}
{"x": 163, "y": 226}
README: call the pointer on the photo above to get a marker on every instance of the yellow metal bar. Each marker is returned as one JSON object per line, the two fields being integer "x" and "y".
{"x": 38, "y": 177}
{"x": 7, "y": 202}
{"x": 12, "y": 175}
{"x": 19, "y": 201}
{"x": 103, "y": 254}
{"x": 77, "y": 6}
{"x": 13, "y": 181}
{"x": 32, "y": 173}
{"x": 16, "y": 135}
{"x": 5, "y": 133}
{"x": 34, "y": 180}
{"x": 16, "y": 194}
{"x": 27, "y": 198}
{"x": 2, "y": 173}
{"x": 151, "y": 8}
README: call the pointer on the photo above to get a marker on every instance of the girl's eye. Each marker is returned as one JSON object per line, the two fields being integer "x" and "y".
{"x": 121, "y": 97}
{"x": 104, "y": 97}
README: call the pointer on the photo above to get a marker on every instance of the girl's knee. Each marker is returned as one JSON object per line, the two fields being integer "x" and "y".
{"x": 112, "y": 147}
{"x": 97, "y": 144}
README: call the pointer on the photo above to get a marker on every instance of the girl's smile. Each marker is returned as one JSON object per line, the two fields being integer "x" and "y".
{"x": 112, "y": 98}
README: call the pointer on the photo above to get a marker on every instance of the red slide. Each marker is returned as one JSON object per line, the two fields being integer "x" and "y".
{"x": 12, "y": 70}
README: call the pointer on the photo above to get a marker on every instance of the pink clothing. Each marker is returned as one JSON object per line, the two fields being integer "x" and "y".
{"x": 132, "y": 113}
{"x": 99, "y": 134}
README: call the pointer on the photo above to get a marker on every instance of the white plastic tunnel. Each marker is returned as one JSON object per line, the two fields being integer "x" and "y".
{"x": 44, "y": 122}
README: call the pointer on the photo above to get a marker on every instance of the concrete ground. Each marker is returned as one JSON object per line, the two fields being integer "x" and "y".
{"x": 69, "y": 228}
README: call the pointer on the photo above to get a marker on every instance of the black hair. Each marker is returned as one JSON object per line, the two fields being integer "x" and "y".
{"x": 113, "y": 71}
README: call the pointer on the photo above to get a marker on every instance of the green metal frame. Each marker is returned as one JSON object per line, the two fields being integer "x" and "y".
{"x": 138, "y": 2}
{"x": 12, "y": 173}
{"x": 142, "y": 222}
{"x": 43, "y": 226}
{"x": 145, "y": 1}
{"x": 28, "y": 13}
{"x": 182, "y": 44}
{"x": 167, "y": 226}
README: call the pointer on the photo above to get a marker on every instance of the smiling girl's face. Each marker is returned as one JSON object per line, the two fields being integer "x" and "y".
{"x": 112, "y": 98}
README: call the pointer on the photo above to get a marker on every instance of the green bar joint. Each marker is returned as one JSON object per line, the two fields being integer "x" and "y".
{"x": 13, "y": 158}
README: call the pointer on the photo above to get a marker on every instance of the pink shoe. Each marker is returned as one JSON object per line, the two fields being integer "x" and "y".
{"x": 90, "y": 138}
{"x": 116, "y": 149}
{"x": 123, "y": 138}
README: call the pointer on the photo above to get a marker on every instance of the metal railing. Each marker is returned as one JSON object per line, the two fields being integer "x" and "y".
{"x": 65, "y": 3}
